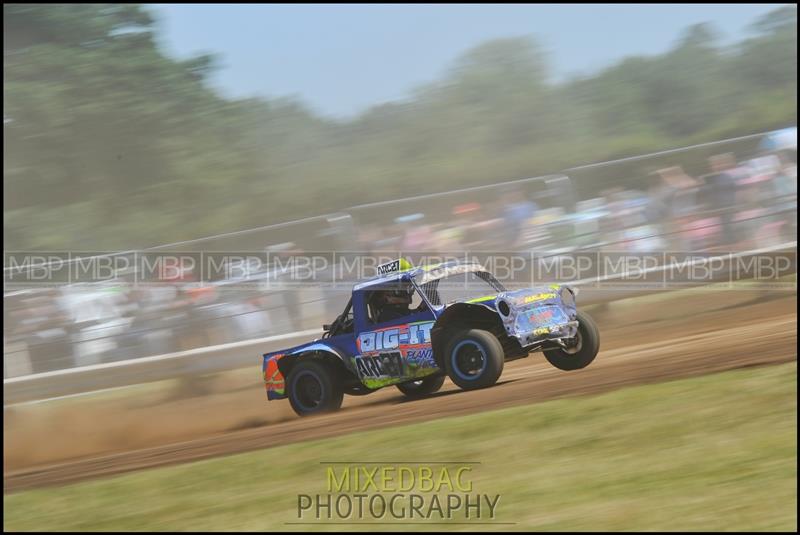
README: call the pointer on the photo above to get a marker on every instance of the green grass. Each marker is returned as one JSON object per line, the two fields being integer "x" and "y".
{"x": 717, "y": 452}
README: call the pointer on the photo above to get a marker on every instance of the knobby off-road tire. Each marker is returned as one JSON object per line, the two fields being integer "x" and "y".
{"x": 313, "y": 388}
{"x": 422, "y": 388}
{"x": 474, "y": 359}
{"x": 584, "y": 351}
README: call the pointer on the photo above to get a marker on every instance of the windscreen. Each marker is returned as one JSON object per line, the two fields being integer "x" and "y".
{"x": 461, "y": 287}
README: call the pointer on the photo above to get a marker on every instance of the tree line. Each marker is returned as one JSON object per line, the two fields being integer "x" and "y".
{"x": 110, "y": 143}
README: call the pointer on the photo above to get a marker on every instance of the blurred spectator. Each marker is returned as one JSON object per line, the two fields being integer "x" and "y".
{"x": 626, "y": 226}
{"x": 587, "y": 219}
{"x": 518, "y": 212}
{"x": 661, "y": 194}
{"x": 749, "y": 218}
{"x": 672, "y": 200}
{"x": 786, "y": 188}
{"x": 389, "y": 239}
{"x": 702, "y": 230}
{"x": 416, "y": 234}
{"x": 467, "y": 218}
{"x": 722, "y": 180}
{"x": 785, "y": 182}
{"x": 446, "y": 238}
{"x": 721, "y": 193}
{"x": 48, "y": 348}
{"x": 282, "y": 278}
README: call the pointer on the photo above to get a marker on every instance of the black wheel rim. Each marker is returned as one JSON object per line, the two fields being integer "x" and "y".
{"x": 573, "y": 345}
{"x": 468, "y": 360}
{"x": 308, "y": 391}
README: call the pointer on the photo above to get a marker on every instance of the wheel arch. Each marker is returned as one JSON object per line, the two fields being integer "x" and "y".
{"x": 321, "y": 352}
{"x": 460, "y": 316}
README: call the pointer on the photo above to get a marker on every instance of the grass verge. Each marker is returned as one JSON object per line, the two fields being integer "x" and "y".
{"x": 717, "y": 452}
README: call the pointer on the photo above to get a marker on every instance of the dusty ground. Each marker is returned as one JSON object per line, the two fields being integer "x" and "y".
{"x": 642, "y": 340}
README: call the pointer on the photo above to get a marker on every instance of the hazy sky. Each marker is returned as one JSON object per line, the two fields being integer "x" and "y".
{"x": 341, "y": 59}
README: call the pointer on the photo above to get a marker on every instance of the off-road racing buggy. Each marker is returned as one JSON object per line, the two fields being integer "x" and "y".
{"x": 412, "y": 326}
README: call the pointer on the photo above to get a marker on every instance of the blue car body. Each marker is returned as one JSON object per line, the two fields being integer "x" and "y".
{"x": 402, "y": 350}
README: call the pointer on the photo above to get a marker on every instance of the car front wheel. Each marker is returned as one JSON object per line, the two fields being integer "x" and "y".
{"x": 474, "y": 359}
{"x": 581, "y": 350}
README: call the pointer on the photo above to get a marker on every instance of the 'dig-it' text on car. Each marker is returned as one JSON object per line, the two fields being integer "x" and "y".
{"x": 411, "y": 327}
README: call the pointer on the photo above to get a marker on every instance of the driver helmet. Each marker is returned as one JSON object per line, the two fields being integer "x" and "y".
{"x": 397, "y": 297}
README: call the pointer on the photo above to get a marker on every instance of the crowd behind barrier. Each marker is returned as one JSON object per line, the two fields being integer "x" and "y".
{"x": 738, "y": 204}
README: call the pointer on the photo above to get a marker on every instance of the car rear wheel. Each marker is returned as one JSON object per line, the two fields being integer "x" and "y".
{"x": 421, "y": 388}
{"x": 313, "y": 388}
{"x": 581, "y": 350}
{"x": 474, "y": 359}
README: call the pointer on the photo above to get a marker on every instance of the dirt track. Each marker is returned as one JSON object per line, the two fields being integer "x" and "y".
{"x": 640, "y": 343}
